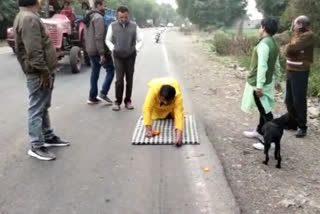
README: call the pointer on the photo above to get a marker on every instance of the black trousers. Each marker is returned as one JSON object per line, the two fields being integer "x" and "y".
{"x": 124, "y": 69}
{"x": 264, "y": 117}
{"x": 296, "y": 98}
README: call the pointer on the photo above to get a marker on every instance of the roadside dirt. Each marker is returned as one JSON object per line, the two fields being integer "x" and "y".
{"x": 3, "y": 43}
{"x": 216, "y": 88}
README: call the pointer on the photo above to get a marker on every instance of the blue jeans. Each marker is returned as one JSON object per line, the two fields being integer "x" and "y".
{"x": 96, "y": 66}
{"x": 39, "y": 127}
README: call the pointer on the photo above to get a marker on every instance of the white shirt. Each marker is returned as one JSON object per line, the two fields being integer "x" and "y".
{"x": 139, "y": 38}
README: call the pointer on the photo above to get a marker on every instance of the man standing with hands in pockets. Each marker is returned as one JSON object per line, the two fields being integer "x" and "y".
{"x": 124, "y": 40}
{"x": 37, "y": 57}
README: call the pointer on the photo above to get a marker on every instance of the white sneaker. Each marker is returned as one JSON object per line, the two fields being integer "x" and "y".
{"x": 253, "y": 134}
{"x": 258, "y": 146}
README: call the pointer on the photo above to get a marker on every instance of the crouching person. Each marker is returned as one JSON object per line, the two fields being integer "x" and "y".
{"x": 164, "y": 100}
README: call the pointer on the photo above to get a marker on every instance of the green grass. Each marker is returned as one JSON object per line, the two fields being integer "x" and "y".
{"x": 245, "y": 61}
{"x": 246, "y": 32}
{"x": 314, "y": 82}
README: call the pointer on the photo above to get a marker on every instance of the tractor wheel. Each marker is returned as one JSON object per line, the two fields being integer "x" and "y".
{"x": 75, "y": 59}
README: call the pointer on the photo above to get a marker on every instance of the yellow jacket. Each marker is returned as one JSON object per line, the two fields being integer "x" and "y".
{"x": 152, "y": 109}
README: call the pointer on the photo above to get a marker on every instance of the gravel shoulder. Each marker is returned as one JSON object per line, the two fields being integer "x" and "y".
{"x": 216, "y": 88}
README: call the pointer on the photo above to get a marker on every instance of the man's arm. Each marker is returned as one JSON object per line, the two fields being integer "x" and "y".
{"x": 148, "y": 107}
{"x": 139, "y": 37}
{"x": 304, "y": 41}
{"x": 99, "y": 29}
{"x": 109, "y": 39}
{"x": 147, "y": 111}
{"x": 277, "y": 71}
{"x": 31, "y": 37}
{"x": 179, "y": 119}
{"x": 179, "y": 113}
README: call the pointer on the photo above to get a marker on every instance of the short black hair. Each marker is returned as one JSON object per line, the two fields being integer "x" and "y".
{"x": 27, "y": 3}
{"x": 66, "y": 2}
{"x": 167, "y": 92}
{"x": 270, "y": 25}
{"x": 122, "y": 9}
{"x": 98, "y": 2}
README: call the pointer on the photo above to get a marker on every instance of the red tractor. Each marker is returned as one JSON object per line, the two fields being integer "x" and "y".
{"x": 67, "y": 36}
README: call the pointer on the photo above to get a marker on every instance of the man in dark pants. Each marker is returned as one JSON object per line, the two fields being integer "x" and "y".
{"x": 38, "y": 60}
{"x": 299, "y": 55}
{"x": 124, "y": 39}
{"x": 98, "y": 53}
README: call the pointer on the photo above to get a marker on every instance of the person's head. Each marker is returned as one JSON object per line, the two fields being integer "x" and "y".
{"x": 66, "y": 4}
{"x": 167, "y": 94}
{"x": 85, "y": 6}
{"x": 123, "y": 14}
{"x": 31, "y": 4}
{"x": 301, "y": 24}
{"x": 99, "y": 5}
{"x": 269, "y": 26}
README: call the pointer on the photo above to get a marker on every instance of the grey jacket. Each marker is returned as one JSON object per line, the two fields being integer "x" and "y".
{"x": 124, "y": 39}
{"x": 35, "y": 51}
{"x": 95, "y": 34}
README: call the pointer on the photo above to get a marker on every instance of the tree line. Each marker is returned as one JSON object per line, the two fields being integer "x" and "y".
{"x": 141, "y": 11}
{"x": 223, "y": 13}
{"x": 219, "y": 13}
{"x": 286, "y": 10}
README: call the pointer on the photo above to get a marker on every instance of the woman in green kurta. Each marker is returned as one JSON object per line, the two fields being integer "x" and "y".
{"x": 264, "y": 77}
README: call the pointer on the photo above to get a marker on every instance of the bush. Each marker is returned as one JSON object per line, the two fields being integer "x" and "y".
{"x": 314, "y": 81}
{"x": 226, "y": 44}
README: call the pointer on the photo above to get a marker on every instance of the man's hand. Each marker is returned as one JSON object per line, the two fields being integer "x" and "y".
{"x": 178, "y": 140}
{"x": 258, "y": 92}
{"x": 102, "y": 60}
{"x": 148, "y": 131}
{"x": 45, "y": 81}
{"x": 278, "y": 86}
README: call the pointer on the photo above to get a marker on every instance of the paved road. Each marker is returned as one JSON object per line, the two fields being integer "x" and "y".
{"x": 102, "y": 172}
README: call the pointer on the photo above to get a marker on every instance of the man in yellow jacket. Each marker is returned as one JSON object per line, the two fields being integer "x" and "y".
{"x": 164, "y": 100}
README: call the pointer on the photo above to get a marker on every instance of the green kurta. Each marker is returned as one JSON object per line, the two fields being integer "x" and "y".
{"x": 267, "y": 99}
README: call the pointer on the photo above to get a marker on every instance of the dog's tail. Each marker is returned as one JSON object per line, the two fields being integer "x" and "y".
{"x": 261, "y": 141}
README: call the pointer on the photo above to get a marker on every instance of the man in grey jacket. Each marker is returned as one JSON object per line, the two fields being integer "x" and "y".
{"x": 38, "y": 60}
{"x": 99, "y": 53}
{"x": 124, "y": 39}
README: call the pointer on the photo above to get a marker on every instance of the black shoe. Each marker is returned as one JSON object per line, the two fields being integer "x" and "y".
{"x": 55, "y": 141}
{"x": 92, "y": 101}
{"x": 105, "y": 99}
{"x": 301, "y": 133}
{"x": 41, "y": 153}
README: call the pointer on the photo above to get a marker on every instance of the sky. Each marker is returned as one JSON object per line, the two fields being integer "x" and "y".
{"x": 252, "y": 10}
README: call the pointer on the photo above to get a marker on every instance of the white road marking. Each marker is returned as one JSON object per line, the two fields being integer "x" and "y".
{"x": 202, "y": 197}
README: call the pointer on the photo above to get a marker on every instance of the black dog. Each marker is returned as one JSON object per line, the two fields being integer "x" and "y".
{"x": 272, "y": 133}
